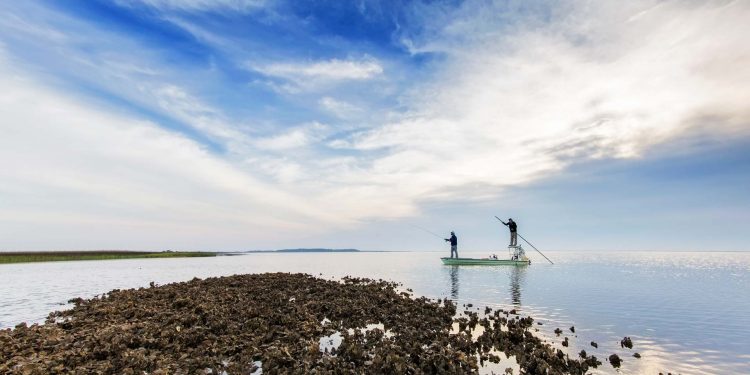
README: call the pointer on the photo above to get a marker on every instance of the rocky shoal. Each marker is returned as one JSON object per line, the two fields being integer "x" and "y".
{"x": 276, "y": 320}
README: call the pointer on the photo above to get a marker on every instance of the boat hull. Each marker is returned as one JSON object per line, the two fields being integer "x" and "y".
{"x": 483, "y": 262}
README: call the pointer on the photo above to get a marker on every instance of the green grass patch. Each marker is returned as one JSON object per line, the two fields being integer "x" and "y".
{"x": 58, "y": 256}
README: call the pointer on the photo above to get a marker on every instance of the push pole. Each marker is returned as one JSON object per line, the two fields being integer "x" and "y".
{"x": 545, "y": 257}
{"x": 519, "y": 235}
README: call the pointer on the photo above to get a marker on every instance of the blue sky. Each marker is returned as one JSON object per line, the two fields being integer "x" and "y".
{"x": 255, "y": 124}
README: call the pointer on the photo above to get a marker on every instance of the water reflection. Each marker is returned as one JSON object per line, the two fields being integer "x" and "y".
{"x": 517, "y": 275}
{"x": 454, "y": 282}
{"x": 609, "y": 295}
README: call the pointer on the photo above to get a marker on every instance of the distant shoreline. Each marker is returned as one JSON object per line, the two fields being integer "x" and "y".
{"x": 60, "y": 256}
{"x": 304, "y": 250}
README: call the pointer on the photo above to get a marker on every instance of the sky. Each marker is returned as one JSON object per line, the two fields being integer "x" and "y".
{"x": 264, "y": 124}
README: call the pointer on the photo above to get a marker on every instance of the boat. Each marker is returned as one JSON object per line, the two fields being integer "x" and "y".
{"x": 517, "y": 258}
{"x": 484, "y": 262}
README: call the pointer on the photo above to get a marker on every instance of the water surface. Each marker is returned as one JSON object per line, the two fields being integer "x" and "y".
{"x": 686, "y": 312}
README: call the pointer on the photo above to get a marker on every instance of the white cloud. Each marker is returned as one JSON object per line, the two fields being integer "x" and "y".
{"x": 89, "y": 179}
{"x": 17, "y": 24}
{"x": 510, "y": 102}
{"x": 141, "y": 78}
{"x": 300, "y": 136}
{"x": 339, "y": 108}
{"x": 200, "y": 5}
{"x": 181, "y": 105}
{"x": 313, "y": 75}
{"x": 333, "y": 69}
{"x": 604, "y": 80}
{"x": 283, "y": 170}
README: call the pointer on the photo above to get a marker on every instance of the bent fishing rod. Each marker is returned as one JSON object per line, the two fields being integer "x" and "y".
{"x": 428, "y": 231}
{"x": 525, "y": 240}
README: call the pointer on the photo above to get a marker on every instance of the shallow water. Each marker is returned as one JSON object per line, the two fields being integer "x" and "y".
{"x": 686, "y": 312}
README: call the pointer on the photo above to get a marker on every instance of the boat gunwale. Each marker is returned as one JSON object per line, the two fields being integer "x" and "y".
{"x": 483, "y": 261}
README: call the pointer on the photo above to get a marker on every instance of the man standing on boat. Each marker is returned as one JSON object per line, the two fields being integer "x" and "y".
{"x": 454, "y": 244}
{"x": 513, "y": 229}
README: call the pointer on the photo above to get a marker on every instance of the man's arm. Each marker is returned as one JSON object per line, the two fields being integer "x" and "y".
{"x": 504, "y": 223}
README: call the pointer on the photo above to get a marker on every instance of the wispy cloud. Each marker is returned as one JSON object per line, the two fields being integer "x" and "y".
{"x": 109, "y": 175}
{"x": 488, "y": 97}
{"x": 595, "y": 83}
{"x": 79, "y": 55}
{"x": 300, "y": 136}
{"x": 318, "y": 73}
{"x": 334, "y": 69}
{"x": 17, "y": 24}
{"x": 200, "y": 5}
{"x": 339, "y": 108}
{"x": 180, "y": 104}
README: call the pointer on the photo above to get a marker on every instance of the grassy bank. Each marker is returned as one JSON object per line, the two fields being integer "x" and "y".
{"x": 56, "y": 256}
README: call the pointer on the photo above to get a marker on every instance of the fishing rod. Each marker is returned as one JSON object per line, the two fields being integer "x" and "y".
{"x": 428, "y": 231}
{"x": 525, "y": 240}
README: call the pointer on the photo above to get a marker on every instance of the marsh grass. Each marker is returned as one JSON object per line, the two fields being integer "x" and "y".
{"x": 57, "y": 256}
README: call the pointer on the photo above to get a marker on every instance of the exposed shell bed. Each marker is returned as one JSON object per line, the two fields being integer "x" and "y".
{"x": 232, "y": 324}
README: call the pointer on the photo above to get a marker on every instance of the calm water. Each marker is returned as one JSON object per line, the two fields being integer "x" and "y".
{"x": 686, "y": 312}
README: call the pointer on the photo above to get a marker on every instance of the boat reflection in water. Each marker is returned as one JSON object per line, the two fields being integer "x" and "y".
{"x": 516, "y": 277}
{"x": 454, "y": 282}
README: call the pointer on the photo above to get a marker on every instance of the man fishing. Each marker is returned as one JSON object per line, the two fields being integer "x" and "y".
{"x": 513, "y": 231}
{"x": 454, "y": 244}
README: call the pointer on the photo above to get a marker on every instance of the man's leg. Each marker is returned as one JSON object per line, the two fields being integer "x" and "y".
{"x": 513, "y": 239}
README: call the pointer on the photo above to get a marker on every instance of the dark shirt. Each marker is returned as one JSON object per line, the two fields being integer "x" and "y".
{"x": 453, "y": 240}
{"x": 511, "y": 225}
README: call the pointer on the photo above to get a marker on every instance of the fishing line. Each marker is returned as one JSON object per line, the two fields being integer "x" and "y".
{"x": 428, "y": 231}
